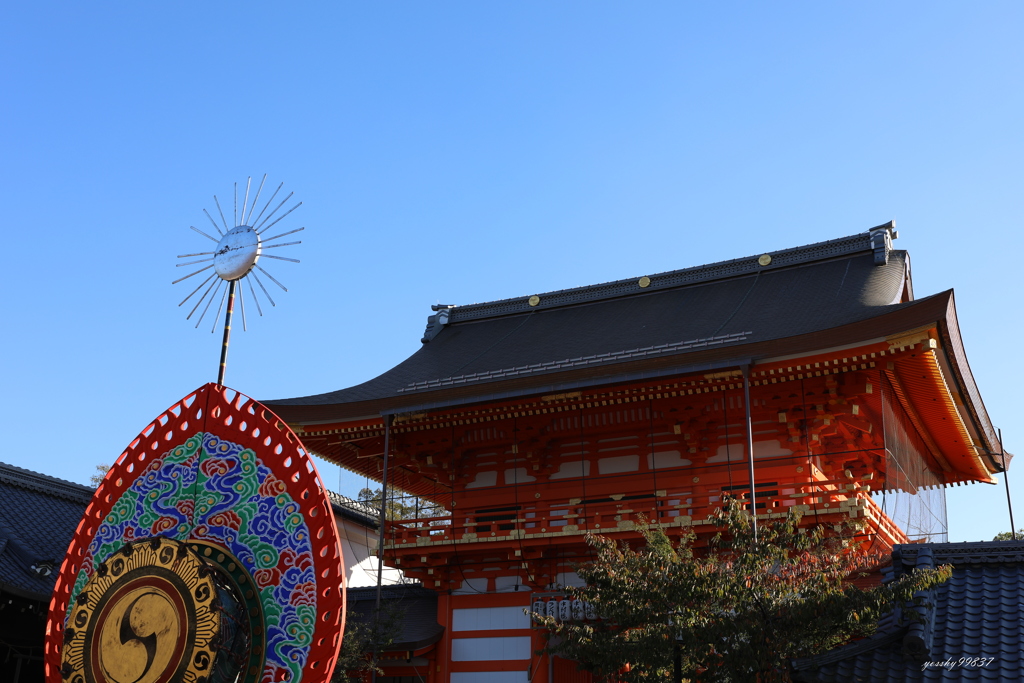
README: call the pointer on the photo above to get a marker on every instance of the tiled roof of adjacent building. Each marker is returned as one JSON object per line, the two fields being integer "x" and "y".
{"x": 973, "y": 627}
{"x": 357, "y": 511}
{"x": 38, "y": 516}
{"x": 414, "y": 606}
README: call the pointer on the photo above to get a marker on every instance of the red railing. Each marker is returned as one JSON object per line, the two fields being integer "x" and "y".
{"x": 542, "y": 519}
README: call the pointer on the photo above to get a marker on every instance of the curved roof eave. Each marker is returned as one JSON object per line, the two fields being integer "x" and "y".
{"x": 893, "y": 320}
{"x": 967, "y": 388}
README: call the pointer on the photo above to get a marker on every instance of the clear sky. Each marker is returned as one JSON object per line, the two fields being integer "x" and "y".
{"x": 463, "y": 152}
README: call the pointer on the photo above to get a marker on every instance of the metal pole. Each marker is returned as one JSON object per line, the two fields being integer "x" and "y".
{"x": 1006, "y": 478}
{"x": 227, "y": 333}
{"x": 679, "y": 663}
{"x": 750, "y": 446}
{"x": 380, "y": 541}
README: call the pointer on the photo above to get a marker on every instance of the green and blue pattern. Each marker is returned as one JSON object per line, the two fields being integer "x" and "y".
{"x": 213, "y": 490}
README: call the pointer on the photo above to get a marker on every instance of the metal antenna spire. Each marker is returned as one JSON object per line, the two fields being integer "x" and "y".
{"x": 227, "y": 333}
{"x": 235, "y": 257}
{"x": 1006, "y": 478}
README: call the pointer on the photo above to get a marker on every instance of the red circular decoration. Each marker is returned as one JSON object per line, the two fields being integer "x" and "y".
{"x": 236, "y": 418}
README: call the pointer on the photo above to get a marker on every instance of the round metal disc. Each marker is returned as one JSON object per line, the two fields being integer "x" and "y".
{"x": 237, "y": 252}
{"x": 147, "y": 615}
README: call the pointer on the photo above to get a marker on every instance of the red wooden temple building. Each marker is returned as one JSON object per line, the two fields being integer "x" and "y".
{"x": 534, "y": 421}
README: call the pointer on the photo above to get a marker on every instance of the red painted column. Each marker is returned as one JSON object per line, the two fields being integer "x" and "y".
{"x": 443, "y": 652}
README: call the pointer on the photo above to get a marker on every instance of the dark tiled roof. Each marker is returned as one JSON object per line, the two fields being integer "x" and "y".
{"x": 977, "y": 615}
{"x": 416, "y": 607}
{"x": 727, "y": 305}
{"x": 358, "y": 512}
{"x": 877, "y": 241}
{"x": 38, "y": 515}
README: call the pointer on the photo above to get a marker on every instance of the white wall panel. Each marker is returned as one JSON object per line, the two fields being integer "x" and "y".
{"x": 490, "y": 649}
{"x": 489, "y": 618}
{"x": 620, "y": 463}
{"x": 518, "y": 475}
{"x": 573, "y": 468}
{"x": 663, "y": 460}
{"x": 570, "y": 579}
{"x": 472, "y": 586}
{"x": 360, "y": 564}
{"x": 509, "y": 584}
{"x": 483, "y": 479}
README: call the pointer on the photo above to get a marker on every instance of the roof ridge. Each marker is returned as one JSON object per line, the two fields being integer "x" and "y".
{"x": 963, "y": 552}
{"x": 44, "y": 483}
{"x": 356, "y": 506}
{"x": 370, "y": 591}
{"x": 877, "y": 240}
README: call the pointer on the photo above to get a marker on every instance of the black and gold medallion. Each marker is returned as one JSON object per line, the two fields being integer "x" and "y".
{"x": 155, "y": 612}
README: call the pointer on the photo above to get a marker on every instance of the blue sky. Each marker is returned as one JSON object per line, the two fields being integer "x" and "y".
{"x": 463, "y": 152}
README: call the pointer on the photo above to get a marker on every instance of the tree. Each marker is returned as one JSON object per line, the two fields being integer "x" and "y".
{"x": 357, "y": 644}
{"x": 401, "y": 507}
{"x": 1008, "y": 536}
{"x": 101, "y": 471}
{"x": 737, "y": 613}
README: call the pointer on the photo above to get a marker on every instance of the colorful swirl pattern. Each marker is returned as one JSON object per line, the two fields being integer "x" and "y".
{"x": 214, "y": 490}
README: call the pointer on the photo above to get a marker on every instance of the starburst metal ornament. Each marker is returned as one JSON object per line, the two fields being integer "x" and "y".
{"x": 236, "y": 257}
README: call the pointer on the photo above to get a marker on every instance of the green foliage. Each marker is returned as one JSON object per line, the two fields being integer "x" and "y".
{"x": 101, "y": 471}
{"x": 1008, "y": 536}
{"x": 360, "y": 638}
{"x": 741, "y": 610}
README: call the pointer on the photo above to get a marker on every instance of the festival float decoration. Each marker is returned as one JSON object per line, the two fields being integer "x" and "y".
{"x": 209, "y": 552}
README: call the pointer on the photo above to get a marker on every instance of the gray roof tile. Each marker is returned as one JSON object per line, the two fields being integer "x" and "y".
{"x": 977, "y": 613}
{"x": 620, "y": 322}
{"x": 38, "y": 515}
{"x": 417, "y": 609}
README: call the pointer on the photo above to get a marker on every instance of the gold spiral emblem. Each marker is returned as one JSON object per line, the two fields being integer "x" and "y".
{"x": 147, "y": 615}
